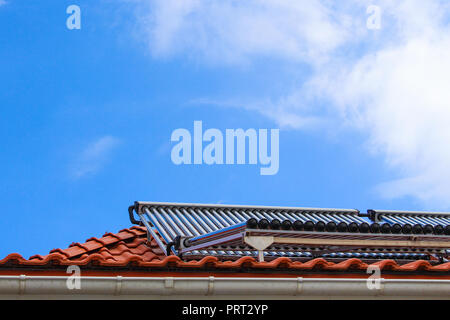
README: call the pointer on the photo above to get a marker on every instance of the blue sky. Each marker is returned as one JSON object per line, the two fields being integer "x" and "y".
{"x": 87, "y": 114}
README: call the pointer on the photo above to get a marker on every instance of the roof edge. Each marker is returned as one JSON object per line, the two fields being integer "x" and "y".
{"x": 20, "y": 286}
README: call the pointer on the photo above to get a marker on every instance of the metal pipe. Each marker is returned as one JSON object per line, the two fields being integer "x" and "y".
{"x": 145, "y": 203}
{"x": 401, "y": 212}
{"x": 161, "y": 230}
{"x": 152, "y": 233}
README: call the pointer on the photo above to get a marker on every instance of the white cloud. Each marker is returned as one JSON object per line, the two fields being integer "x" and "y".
{"x": 234, "y": 31}
{"x": 93, "y": 157}
{"x": 400, "y": 96}
{"x": 391, "y": 84}
{"x": 285, "y": 111}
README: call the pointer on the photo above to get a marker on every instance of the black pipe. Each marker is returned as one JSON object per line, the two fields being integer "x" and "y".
{"x": 364, "y": 227}
{"x": 342, "y": 227}
{"x": 331, "y": 226}
{"x": 275, "y": 224}
{"x": 396, "y": 228}
{"x": 309, "y": 225}
{"x": 263, "y": 224}
{"x": 374, "y": 228}
{"x": 372, "y": 214}
{"x": 447, "y": 230}
{"x": 252, "y": 223}
{"x": 417, "y": 229}
{"x": 428, "y": 229}
{"x": 406, "y": 229}
{"x": 320, "y": 226}
{"x": 169, "y": 247}
{"x": 131, "y": 215}
{"x": 385, "y": 228}
{"x": 353, "y": 227}
{"x": 438, "y": 229}
{"x": 175, "y": 243}
{"x": 298, "y": 225}
{"x": 286, "y": 225}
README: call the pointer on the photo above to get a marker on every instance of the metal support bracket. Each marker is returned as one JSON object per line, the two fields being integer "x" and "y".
{"x": 259, "y": 243}
{"x": 154, "y": 235}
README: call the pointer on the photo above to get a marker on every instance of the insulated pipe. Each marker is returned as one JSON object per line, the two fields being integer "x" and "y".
{"x": 331, "y": 226}
{"x": 252, "y": 223}
{"x": 319, "y": 226}
{"x": 151, "y": 287}
{"x": 298, "y": 225}
{"x": 406, "y": 229}
{"x": 286, "y": 225}
{"x": 131, "y": 215}
{"x": 308, "y": 225}
{"x": 353, "y": 227}
{"x": 385, "y": 228}
{"x": 263, "y": 224}
{"x": 275, "y": 224}
{"x": 374, "y": 228}
{"x": 342, "y": 227}
{"x": 396, "y": 228}
{"x": 364, "y": 227}
{"x": 428, "y": 229}
{"x": 438, "y": 229}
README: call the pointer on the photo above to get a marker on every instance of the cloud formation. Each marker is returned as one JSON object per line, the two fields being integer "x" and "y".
{"x": 235, "y": 31}
{"x": 391, "y": 84}
{"x": 93, "y": 157}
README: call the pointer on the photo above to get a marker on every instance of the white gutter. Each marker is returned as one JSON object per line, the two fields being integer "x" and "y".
{"x": 18, "y": 287}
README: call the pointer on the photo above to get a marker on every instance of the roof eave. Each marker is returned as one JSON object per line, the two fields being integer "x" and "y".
{"x": 15, "y": 287}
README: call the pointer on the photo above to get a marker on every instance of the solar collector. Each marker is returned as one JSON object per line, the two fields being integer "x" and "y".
{"x": 181, "y": 225}
{"x": 175, "y": 228}
{"x": 200, "y": 221}
{"x": 220, "y": 213}
{"x": 214, "y": 219}
{"x": 197, "y": 226}
{"x": 158, "y": 226}
{"x": 187, "y": 223}
{"x": 207, "y": 220}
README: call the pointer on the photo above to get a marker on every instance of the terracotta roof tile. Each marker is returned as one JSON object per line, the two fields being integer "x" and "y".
{"x": 130, "y": 247}
{"x": 350, "y": 264}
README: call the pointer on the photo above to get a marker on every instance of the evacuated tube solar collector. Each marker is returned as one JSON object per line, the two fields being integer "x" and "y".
{"x": 193, "y": 230}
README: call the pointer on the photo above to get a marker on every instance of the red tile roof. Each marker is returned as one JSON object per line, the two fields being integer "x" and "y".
{"x": 129, "y": 247}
